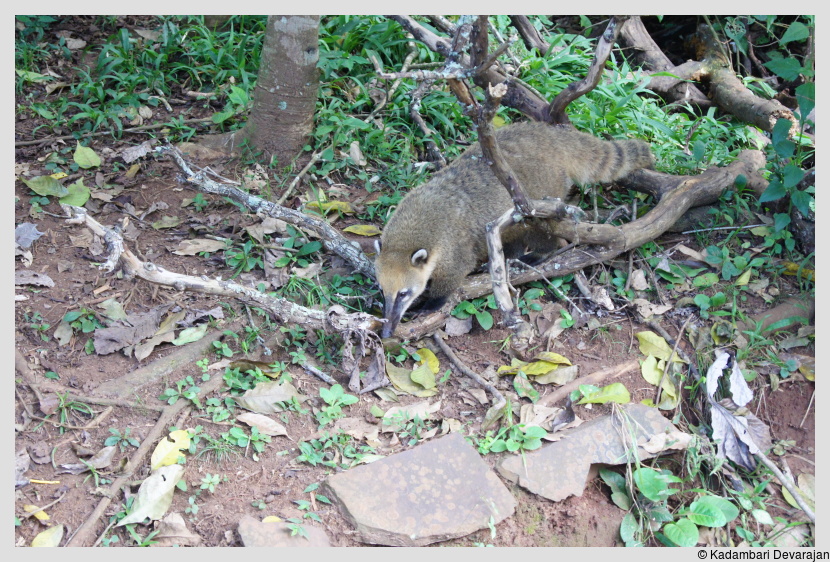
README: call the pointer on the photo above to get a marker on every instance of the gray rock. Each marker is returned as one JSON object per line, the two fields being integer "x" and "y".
{"x": 437, "y": 491}
{"x": 560, "y": 470}
{"x": 254, "y": 532}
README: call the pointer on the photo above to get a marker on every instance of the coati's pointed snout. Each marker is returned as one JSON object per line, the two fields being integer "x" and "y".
{"x": 402, "y": 281}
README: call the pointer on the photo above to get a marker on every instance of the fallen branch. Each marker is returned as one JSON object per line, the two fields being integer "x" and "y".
{"x": 331, "y": 238}
{"x": 595, "y": 378}
{"x": 334, "y": 319}
{"x": 638, "y": 44}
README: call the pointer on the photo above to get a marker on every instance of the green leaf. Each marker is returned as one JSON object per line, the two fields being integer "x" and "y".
{"x": 705, "y": 280}
{"x": 727, "y": 509}
{"x": 652, "y": 483}
{"x": 614, "y": 392}
{"x": 46, "y": 186}
{"x": 78, "y": 194}
{"x": 806, "y": 97}
{"x": 774, "y": 191}
{"x": 802, "y": 201}
{"x": 782, "y": 221}
{"x": 788, "y": 68}
{"x": 792, "y": 175}
{"x": 86, "y": 158}
{"x": 796, "y": 32}
{"x": 629, "y": 528}
{"x": 682, "y": 533}
{"x": 485, "y": 319}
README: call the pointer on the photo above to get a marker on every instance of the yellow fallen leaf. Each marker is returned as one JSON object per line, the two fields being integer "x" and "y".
{"x": 652, "y": 344}
{"x": 133, "y": 171}
{"x": 744, "y": 278}
{"x": 50, "y": 537}
{"x": 791, "y": 268}
{"x": 552, "y": 357}
{"x": 58, "y": 175}
{"x": 428, "y": 357}
{"x": 272, "y": 519}
{"x": 363, "y": 230}
{"x": 167, "y": 452}
{"x": 40, "y": 515}
{"x": 329, "y": 206}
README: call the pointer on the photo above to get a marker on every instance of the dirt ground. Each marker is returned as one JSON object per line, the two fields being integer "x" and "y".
{"x": 276, "y": 480}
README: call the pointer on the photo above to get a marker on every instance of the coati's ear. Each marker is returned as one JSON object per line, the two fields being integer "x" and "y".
{"x": 377, "y": 246}
{"x": 419, "y": 258}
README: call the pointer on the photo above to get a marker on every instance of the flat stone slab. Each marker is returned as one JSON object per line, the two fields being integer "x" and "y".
{"x": 254, "y": 532}
{"x": 434, "y": 492}
{"x": 560, "y": 470}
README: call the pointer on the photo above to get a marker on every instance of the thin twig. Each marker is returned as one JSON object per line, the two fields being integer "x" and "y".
{"x": 314, "y": 158}
{"x": 810, "y": 405}
{"x": 669, "y": 362}
{"x": 39, "y": 509}
{"x": 500, "y": 399}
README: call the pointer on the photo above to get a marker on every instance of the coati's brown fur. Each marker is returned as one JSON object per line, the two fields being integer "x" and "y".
{"x": 437, "y": 234}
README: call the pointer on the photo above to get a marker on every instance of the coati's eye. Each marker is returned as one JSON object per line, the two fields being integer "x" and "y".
{"x": 403, "y": 293}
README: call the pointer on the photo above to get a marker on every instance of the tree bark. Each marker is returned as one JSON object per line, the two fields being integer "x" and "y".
{"x": 285, "y": 97}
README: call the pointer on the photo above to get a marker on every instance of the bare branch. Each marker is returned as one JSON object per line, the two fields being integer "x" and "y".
{"x": 331, "y": 238}
{"x": 556, "y": 111}
{"x": 529, "y": 34}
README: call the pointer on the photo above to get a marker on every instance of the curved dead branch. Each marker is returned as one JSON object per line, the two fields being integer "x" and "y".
{"x": 556, "y": 111}
{"x": 638, "y": 44}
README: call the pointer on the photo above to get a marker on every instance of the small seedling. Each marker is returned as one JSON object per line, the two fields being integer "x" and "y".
{"x": 123, "y": 440}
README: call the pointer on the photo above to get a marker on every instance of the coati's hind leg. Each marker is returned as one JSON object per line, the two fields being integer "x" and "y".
{"x": 531, "y": 245}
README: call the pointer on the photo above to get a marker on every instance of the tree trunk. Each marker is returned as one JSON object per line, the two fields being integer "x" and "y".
{"x": 285, "y": 97}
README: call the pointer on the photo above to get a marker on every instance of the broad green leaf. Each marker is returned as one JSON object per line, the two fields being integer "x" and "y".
{"x": 788, "y": 68}
{"x": 30, "y": 76}
{"x": 78, "y": 194}
{"x": 167, "y": 451}
{"x": 706, "y": 515}
{"x": 682, "y": 533}
{"x": 806, "y": 97}
{"x": 401, "y": 379}
{"x": 723, "y": 505}
{"x": 763, "y": 517}
{"x": 744, "y": 278}
{"x": 363, "y": 230}
{"x": 796, "y": 32}
{"x": 614, "y": 392}
{"x": 705, "y": 280}
{"x": 424, "y": 376}
{"x": 652, "y": 484}
{"x": 86, "y": 158}
{"x": 485, "y": 319}
{"x": 652, "y": 371}
{"x": 524, "y": 389}
{"x": 166, "y": 222}
{"x": 46, "y": 186}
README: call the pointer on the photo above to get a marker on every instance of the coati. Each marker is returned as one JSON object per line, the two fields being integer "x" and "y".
{"x": 436, "y": 236}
